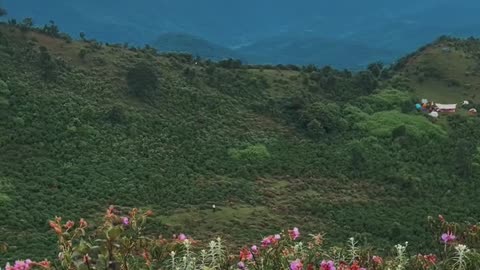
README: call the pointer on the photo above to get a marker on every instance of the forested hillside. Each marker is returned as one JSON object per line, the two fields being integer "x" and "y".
{"x": 85, "y": 125}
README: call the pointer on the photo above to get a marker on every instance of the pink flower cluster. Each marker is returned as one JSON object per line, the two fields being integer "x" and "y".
{"x": 270, "y": 240}
{"x": 294, "y": 234}
{"x": 27, "y": 265}
{"x": 20, "y": 265}
{"x": 296, "y": 265}
{"x": 327, "y": 265}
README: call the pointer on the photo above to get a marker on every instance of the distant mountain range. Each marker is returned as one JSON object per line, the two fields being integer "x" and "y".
{"x": 308, "y": 49}
{"x": 304, "y": 31}
{"x": 185, "y": 43}
{"x": 300, "y": 50}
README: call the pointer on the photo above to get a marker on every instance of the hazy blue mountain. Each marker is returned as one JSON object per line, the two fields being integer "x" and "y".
{"x": 185, "y": 43}
{"x": 390, "y": 26}
{"x": 307, "y": 49}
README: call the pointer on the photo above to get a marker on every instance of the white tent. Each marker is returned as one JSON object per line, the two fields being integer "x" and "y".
{"x": 446, "y": 107}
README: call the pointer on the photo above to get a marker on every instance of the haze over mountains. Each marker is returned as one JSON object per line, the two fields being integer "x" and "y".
{"x": 267, "y": 31}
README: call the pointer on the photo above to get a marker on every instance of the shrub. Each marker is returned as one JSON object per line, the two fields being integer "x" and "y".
{"x": 250, "y": 153}
{"x": 48, "y": 66}
{"x": 142, "y": 80}
{"x": 328, "y": 115}
{"x": 116, "y": 115}
{"x": 82, "y": 53}
{"x": 384, "y": 124}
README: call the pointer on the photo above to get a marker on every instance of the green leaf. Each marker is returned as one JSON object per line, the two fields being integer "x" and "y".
{"x": 114, "y": 232}
{"x": 83, "y": 247}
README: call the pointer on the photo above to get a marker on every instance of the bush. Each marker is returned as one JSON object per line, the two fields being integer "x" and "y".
{"x": 82, "y": 53}
{"x": 48, "y": 65}
{"x": 328, "y": 115}
{"x": 386, "y": 124}
{"x": 4, "y": 88}
{"x": 250, "y": 153}
{"x": 116, "y": 115}
{"x": 142, "y": 80}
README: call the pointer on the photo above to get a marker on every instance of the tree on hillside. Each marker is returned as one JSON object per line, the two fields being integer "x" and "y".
{"x": 357, "y": 159}
{"x": 376, "y": 69}
{"x": 230, "y": 63}
{"x": 3, "y": 12}
{"x": 82, "y": 54}
{"x": 464, "y": 155}
{"x": 51, "y": 29}
{"x": 83, "y": 36}
{"x": 323, "y": 118}
{"x": 142, "y": 80}
{"x": 26, "y": 24}
{"x": 48, "y": 66}
{"x": 365, "y": 82}
{"x": 4, "y": 92}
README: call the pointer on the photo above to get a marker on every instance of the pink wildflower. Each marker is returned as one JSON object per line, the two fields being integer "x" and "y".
{"x": 448, "y": 237}
{"x": 427, "y": 260}
{"x": 330, "y": 265}
{"x": 270, "y": 240}
{"x": 86, "y": 259}
{"x": 377, "y": 260}
{"x": 69, "y": 225}
{"x": 83, "y": 223}
{"x": 246, "y": 255}
{"x": 125, "y": 221}
{"x": 182, "y": 237}
{"x": 294, "y": 234}
{"x": 56, "y": 227}
{"x": 432, "y": 259}
{"x": 254, "y": 249}
{"x": 44, "y": 264}
{"x": 267, "y": 241}
{"x": 110, "y": 212}
{"x": 441, "y": 218}
{"x": 296, "y": 265}
{"x": 355, "y": 266}
{"x": 241, "y": 266}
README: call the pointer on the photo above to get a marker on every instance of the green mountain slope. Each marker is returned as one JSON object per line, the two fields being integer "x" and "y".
{"x": 82, "y": 127}
{"x": 447, "y": 71}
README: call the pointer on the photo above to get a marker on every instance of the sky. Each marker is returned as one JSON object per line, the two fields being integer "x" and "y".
{"x": 399, "y": 26}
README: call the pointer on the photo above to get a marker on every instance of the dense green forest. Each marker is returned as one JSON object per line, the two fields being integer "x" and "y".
{"x": 85, "y": 125}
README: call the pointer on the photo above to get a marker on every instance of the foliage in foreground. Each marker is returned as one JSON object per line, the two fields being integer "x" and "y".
{"x": 121, "y": 242}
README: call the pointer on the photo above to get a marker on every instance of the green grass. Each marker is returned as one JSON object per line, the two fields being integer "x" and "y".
{"x": 227, "y": 222}
{"x": 382, "y": 124}
{"x": 433, "y": 72}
